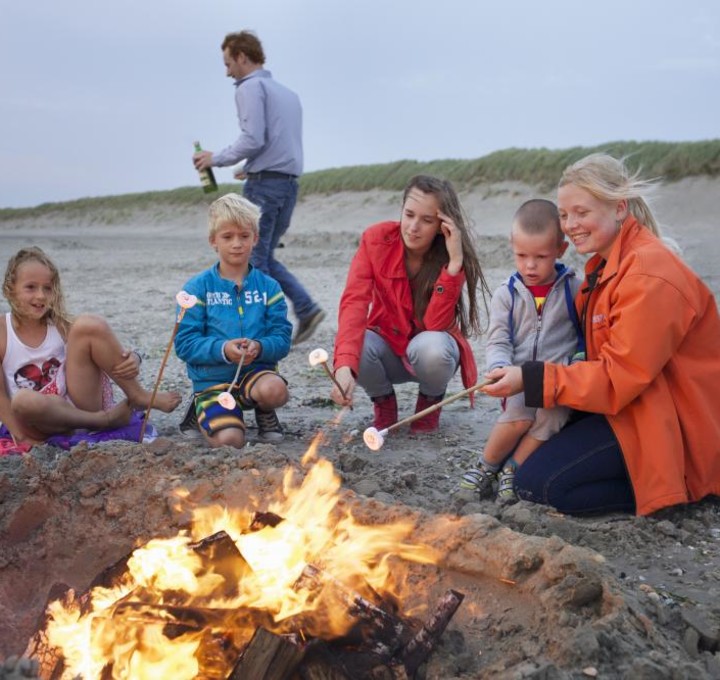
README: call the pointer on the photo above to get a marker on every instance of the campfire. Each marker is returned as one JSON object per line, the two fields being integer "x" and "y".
{"x": 297, "y": 590}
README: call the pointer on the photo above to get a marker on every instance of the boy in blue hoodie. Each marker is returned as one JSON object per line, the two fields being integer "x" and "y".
{"x": 241, "y": 314}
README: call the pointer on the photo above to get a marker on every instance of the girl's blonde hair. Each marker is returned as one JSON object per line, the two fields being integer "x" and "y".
{"x": 608, "y": 179}
{"x": 57, "y": 314}
{"x": 235, "y": 209}
{"x": 467, "y": 312}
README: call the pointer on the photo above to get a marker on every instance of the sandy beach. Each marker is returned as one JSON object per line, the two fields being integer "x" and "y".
{"x": 654, "y": 583}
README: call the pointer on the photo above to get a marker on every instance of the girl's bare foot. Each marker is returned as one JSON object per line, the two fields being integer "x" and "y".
{"x": 164, "y": 401}
{"x": 118, "y": 415}
{"x": 167, "y": 401}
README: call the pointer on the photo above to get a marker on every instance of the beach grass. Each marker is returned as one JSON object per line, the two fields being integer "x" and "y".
{"x": 669, "y": 161}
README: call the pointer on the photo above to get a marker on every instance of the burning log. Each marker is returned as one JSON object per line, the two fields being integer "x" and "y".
{"x": 220, "y": 556}
{"x": 323, "y": 664}
{"x": 268, "y": 657}
{"x": 189, "y": 619}
{"x": 424, "y": 642}
{"x": 382, "y": 633}
{"x": 264, "y": 519}
{"x": 337, "y": 661}
{"x": 49, "y": 658}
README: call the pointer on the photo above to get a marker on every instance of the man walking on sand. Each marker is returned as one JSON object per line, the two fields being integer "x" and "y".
{"x": 270, "y": 143}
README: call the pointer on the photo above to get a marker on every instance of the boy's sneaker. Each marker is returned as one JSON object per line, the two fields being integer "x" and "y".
{"x": 189, "y": 425}
{"x": 479, "y": 479}
{"x": 269, "y": 428}
{"x": 306, "y": 327}
{"x": 506, "y": 484}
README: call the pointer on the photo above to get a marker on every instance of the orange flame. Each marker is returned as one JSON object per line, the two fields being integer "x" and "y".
{"x": 125, "y": 626}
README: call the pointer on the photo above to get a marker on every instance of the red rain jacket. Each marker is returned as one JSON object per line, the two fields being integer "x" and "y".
{"x": 377, "y": 296}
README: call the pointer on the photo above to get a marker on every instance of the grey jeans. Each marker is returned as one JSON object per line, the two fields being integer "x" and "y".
{"x": 432, "y": 358}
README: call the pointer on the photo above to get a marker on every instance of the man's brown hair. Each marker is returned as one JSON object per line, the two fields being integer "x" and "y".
{"x": 247, "y": 43}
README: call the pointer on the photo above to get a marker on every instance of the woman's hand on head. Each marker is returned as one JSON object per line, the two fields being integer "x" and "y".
{"x": 508, "y": 380}
{"x": 346, "y": 379}
{"x": 453, "y": 242}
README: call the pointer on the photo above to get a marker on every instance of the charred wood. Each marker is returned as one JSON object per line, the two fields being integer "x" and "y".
{"x": 423, "y": 643}
{"x": 49, "y": 658}
{"x": 380, "y": 633}
{"x": 220, "y": 556}
{"x": 261, "y": 520}
{"x": 194, "y": 618}
{"x": 268, "y": 657}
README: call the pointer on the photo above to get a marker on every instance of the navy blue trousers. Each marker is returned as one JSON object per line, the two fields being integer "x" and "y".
{"x": 580, "y": 470}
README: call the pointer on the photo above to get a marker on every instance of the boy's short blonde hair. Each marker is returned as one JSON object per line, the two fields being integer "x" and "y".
{"x": 235, "y": 209}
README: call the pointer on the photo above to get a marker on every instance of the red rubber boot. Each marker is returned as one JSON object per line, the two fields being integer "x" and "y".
{"x": 386, "y": 410}
{"x": 431, "y": 421}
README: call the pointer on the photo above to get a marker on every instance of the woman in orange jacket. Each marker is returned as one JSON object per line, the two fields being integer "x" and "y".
{"x": 402, "y": 314}
{"x": 648, "y": 432}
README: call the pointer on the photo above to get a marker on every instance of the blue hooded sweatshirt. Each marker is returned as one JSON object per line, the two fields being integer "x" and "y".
{"x": 224, "y": 311}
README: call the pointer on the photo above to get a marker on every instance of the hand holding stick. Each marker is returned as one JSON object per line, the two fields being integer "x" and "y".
{"x": 374, "y": 438}
{"x": 320, "y": 356}
{"x": 186, "y": 301}
{"x": 226, "y": 399}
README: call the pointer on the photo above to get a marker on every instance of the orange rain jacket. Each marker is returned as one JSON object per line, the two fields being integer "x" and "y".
{"x": 377, "y": 296}
{"x": 653, "y": 369}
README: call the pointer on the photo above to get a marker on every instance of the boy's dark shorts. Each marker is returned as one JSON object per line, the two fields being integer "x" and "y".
{"x": 213, "y": 417}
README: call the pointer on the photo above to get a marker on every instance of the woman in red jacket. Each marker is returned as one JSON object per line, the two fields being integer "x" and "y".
{"x": 650, "y": 387}
{"x": 403, "y": 317}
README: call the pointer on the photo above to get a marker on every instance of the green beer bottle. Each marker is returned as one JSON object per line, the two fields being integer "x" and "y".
{"x": 207, "y": 177}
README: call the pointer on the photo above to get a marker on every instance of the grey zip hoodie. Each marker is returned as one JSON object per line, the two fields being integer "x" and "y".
{"x": 517, "y": 334}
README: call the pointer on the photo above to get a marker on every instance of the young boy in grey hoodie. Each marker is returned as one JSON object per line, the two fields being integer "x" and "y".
{"x": 532, "y": 317}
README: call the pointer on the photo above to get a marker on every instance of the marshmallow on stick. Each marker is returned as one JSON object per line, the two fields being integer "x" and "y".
{"x": 320, "y": 357}
{"x": 185, "y": 301}
{"x": 226, "y": 399}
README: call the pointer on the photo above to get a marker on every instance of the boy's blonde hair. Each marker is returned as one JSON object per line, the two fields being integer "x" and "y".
{"x": 235, "y": 209}
{"x": 57, "y": 313}
{"x": 608, "y": 179}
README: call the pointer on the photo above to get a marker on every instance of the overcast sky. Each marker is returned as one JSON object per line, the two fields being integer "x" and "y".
{"x": 106, "y": 98}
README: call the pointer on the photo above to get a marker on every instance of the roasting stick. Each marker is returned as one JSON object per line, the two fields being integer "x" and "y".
{"x": 186, "y": 301}
{"x": 226, "y": 399}
{"x": 320, "y": 356}
{"x": 374, "y": 438}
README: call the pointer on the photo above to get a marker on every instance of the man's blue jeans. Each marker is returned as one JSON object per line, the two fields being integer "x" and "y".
{"x": 580, "y": 470}
{"x": 276, "y": 199}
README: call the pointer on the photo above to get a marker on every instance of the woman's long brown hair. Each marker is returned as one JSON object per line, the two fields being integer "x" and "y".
{"x": 467, "y": 313}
